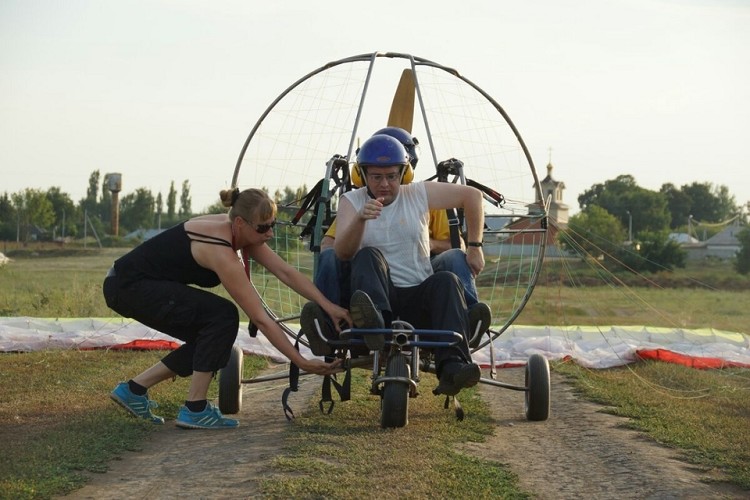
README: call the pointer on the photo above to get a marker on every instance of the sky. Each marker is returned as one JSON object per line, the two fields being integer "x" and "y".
{"x": 166, "y": 90}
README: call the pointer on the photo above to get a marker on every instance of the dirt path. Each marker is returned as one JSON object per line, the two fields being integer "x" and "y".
{"x": 578, "y": 452}
{"x": 581, "y": 452}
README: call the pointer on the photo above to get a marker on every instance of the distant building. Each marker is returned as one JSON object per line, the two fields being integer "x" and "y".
{"x": 722, "y": 245}
{"x": 521, "y": 235}
{"x": 552, "y": 190}
{"x": 683, "y": 239}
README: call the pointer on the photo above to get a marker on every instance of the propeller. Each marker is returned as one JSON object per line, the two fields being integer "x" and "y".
{"x": 402, "y": 108}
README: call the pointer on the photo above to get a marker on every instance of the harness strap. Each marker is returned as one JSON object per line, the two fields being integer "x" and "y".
{"x": 293, "y": 384}
{"x": 491, "y": 195}
{"x": 344, "y": 389}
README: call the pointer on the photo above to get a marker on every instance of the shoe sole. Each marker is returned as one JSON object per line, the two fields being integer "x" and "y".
{"x": 318, "y": 346}
{"x": 467, "y": 377}
{"x": 155, "y": 419}
{"x": 480, "y": 314}
{"x": 463, "y": 379}
{"x": 186, "y": 425}
{"x": 365, "y": 315}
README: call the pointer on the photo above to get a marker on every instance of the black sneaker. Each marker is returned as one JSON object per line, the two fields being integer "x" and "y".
{"x": 318, "y": 345}
{"x": 366, "y": 315}
{"x": 457, "y": 375}
{"x": 480, "y": 317}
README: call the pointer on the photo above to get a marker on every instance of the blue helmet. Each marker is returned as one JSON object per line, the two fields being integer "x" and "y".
{"x": 382, "y": 150}
{"x": 409, "y": 142}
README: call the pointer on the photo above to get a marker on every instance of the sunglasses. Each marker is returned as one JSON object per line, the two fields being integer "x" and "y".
{"x": 264, "y": 228}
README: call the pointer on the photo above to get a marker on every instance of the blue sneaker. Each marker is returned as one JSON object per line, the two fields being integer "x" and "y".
{"x": 210, "y": 418}
{"x": 138, "y": 406}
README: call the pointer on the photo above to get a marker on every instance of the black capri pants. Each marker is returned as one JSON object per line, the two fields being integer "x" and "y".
{"x": 207, "y": 323}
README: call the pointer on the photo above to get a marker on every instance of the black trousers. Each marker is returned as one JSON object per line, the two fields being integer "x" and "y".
{"x": 437, "y": 303}
{"x": 207, "y": 323}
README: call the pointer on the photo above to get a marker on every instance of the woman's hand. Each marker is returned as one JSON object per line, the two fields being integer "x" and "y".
{"x": 320, "y": 367}
{"x": 338, "y": 314}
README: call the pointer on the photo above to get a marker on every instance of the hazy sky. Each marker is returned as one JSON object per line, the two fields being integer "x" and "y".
{"x": 167, "y": 90}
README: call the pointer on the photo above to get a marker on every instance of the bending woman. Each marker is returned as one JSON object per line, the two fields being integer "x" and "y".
{"x": 151, "y": 284}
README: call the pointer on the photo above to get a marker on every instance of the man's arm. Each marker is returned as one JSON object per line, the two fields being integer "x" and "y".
{"x": 351, "y": 226}
{"x": 444, "y": 195}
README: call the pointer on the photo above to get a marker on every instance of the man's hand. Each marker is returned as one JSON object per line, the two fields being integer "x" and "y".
{"x": 475, "y": 259}
{"x": 371, "y": 209}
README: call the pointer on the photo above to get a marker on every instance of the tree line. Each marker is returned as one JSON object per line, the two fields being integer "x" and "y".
{"x": 614, "y": 212}
{"x": 36, "y": 214}
{"x": 623, "y": 222}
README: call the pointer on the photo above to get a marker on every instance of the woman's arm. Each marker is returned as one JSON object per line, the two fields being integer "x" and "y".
{"x": 298, "y": 282}
{"x": 226, "y": 264}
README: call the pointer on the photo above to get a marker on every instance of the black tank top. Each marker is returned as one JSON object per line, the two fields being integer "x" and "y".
{"x": 167, "y": 256}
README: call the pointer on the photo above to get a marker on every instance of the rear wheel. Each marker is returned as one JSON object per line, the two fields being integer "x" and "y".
{"x": 230, "y": 383}
{"x": 537, "y": 388}
{"x": 394, "y": 405}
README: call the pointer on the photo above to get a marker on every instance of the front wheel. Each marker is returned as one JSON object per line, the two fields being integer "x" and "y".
{"x": 394, "y": 403}
{"x": 537, "y": 388}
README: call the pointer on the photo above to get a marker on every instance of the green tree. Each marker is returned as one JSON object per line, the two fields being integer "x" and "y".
{"x": 65, "y": 212}
{"x": 653, "y": 251}
{"x": 185, "y": 200}
{"x": 159, "y": 210}
{"x": 623, "y": 198}
{"x": 35, "y": 212}
{"x": 216, "y": 208}
{"x": 679, "y": 204}
{"x": 593, "y": 231}
{"x": 90, "y": 204}
{"x": 171, "y": 203}
{"x": 137, "y": 210}
{"x": 742, "y": 262}
{"x": 8, "y": 218}
{"x": 709, "y": 203}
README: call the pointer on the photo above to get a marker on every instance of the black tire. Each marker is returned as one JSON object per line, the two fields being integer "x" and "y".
{"x": 394, "y": 403}
{"x": 230, "y": 383}
{"x": 537, "y": 388}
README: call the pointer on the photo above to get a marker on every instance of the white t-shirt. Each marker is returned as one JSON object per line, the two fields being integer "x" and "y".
{"x": 401, "y": 233}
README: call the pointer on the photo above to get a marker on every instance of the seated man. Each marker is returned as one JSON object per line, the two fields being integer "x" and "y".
{"x": 332, "y": 275}
{"x": 383, "y": 233}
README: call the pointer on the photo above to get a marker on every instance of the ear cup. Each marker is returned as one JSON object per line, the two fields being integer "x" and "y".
{"x": 357, "y": 178}
{"x": 408, "y": 174}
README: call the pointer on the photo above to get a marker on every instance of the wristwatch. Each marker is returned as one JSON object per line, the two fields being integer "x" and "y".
{"x": 474, "y": 243}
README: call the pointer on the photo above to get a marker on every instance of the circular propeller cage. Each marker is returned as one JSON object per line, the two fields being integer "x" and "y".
{"x": 311, "y": 131}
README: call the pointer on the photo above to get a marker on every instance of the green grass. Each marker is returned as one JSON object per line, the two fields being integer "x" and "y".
{"x": 57, "y": 422}
{"x": 326, "y": 452}
{"x": 706, "y": 414}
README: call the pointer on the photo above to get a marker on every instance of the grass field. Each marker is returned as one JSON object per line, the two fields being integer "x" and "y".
{"x": 46, "y": 422}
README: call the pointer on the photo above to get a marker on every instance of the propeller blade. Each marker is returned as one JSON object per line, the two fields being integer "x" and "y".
{"x": 402, "y": 108}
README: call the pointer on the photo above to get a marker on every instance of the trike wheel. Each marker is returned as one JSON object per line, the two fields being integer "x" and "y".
{"x": 394, "y": 405}
{"x": 230, "y": 383}
{"x": 537, "y": 388}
